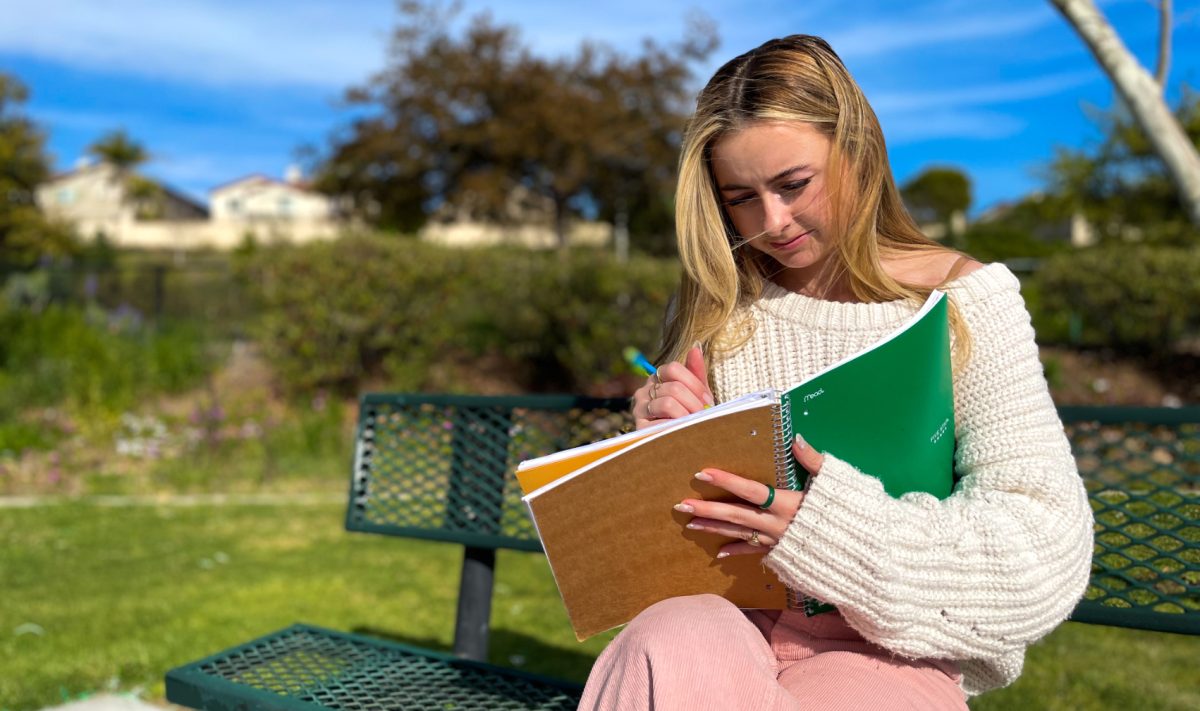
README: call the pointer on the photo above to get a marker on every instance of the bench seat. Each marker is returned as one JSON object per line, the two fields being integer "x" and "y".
{"x": 306, "y": 668}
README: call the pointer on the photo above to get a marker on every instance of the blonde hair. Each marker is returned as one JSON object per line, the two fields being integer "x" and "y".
{"x": 794, "y": 79}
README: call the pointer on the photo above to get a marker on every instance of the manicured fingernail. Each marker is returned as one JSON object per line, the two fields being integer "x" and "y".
{"x": 800, "y": 442}
{"x": 708, "y": 398}
{"x": 703, "y": 477}
{"x": 722, "y": 554}
{"x": 696, "y": 344}
{"x": 693, "y": 526}
{"x": 684, "y": 508}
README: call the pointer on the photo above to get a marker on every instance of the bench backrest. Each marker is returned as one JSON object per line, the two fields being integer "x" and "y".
{"x": 441, "y": 467}
{"x": 1141, "y": 467}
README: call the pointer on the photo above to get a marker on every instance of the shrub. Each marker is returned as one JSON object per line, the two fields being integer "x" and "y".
{"x": 87, "y": 361}
{"x": 1131, "y": 297}
{"x": 337, "y": 313}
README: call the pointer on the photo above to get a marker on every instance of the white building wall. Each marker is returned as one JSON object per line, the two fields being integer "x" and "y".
{"x": 265, "y": 199}
{"x": 208, "y": 234}
{"x": 478, "y": 234}
{"x": 93, "y": 195}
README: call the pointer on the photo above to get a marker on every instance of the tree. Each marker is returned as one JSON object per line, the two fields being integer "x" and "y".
{"x": 1121, "y": 186}
{"x": 120, "y": 151}
{"x": 1142, "y": 95}
{"x": 938, "y": 195}
{"x": 126, "y": 155}
{"x": 25, "y": 234}
{"x": 1036, "y": 226}
{"x": 474, "y": 123}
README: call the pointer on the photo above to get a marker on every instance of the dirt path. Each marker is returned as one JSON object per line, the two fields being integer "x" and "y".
{"x": 26, "y": 502}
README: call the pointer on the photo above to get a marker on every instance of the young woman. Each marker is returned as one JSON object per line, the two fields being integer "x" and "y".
{"x": 797, "y": 252}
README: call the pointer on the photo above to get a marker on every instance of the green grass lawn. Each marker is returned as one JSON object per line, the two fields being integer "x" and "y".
{"x": 108, "y": 598}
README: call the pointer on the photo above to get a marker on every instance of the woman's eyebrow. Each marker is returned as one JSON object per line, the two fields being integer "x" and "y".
{"x": 778, "y": 176}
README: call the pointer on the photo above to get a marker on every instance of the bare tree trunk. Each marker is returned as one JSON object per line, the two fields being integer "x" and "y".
{"x": 1164, "y": 43}
{"x": 1143, "y": 97}
{"x": 560, "y": 224}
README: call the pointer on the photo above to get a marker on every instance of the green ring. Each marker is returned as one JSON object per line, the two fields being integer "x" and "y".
{"x": 770, "y": 498}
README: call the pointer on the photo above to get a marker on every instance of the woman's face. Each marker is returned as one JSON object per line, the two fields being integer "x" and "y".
{"x": 772, "y": 182}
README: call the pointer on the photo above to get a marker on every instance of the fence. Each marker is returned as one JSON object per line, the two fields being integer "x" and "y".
{"x": 207, "y": 293}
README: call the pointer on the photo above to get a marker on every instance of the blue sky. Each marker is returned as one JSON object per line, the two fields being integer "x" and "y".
{"x": 217, "y": 89}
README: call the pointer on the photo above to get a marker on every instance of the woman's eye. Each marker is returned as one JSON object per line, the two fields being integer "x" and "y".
{"x": 740, "y": 200}
{"x": 796, "y": 185}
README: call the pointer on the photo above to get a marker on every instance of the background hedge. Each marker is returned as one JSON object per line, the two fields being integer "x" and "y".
{"x": 1137, "y": 298}
{"x": 364, "y": 308}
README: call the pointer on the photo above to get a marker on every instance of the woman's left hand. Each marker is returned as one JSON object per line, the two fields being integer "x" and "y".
{"x": 741, "y": 521}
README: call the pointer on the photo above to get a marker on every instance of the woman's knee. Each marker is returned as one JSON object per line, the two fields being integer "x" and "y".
{"x": 694, "y": 621}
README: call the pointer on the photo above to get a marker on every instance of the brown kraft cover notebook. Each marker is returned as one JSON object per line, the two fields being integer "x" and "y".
{"x": 614, "y": 542}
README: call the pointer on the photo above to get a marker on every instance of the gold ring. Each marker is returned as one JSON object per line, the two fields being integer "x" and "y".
{"x": 754, "y": 539}
{"x": 654, "y": 390}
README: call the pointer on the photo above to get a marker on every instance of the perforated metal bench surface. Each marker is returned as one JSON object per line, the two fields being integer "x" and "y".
{"x": 306, "y": 667}
{"x": 1141, "y": 467}
{"x": 441, "y": 468}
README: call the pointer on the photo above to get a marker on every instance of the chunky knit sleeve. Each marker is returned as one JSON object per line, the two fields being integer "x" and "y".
{"x": 978, "y": 576}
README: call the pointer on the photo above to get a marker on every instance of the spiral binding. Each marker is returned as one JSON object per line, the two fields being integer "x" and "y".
{"x": 785, "y": 477}
{"x": 785, "y": 463}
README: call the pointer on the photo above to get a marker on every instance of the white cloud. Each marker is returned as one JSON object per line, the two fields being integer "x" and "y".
{"x": 246, "y": 44}
{"x": 951, "y": 123}
{"x": 324, "y": 44}
{"x": 868, "y": 40}
{"x": 987, "y": 94}
{"x": 911, "y": 116}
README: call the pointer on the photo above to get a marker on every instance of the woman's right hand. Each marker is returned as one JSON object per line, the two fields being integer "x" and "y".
{"x": 677, "y": 389}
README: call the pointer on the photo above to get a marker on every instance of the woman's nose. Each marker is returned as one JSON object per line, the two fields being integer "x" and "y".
{"x": 777, "y": 215}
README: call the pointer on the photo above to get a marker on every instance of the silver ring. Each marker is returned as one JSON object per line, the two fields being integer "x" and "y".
{"x": 654, "y": 389}
{"x": 754, "y": 539}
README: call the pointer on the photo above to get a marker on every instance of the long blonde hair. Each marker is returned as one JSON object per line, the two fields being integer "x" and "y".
{"x": 794, "y": 79}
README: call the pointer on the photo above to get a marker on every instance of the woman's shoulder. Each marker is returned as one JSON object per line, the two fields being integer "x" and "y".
{"x": 930, "y": 268}
{"x": 978, "y": 289}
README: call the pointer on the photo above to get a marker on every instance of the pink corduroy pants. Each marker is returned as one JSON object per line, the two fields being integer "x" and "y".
{"x": 701, "y": 652}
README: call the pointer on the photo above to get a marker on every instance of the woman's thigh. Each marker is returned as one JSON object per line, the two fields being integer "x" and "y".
{"x": 687, "y": 653}
{"x": 850, "y": 681}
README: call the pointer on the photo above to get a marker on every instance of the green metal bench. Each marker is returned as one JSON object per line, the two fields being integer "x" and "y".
{"x": 1141, "y": 467}
{"x": 441, "y": 468}
{"x": 435, "y": 467}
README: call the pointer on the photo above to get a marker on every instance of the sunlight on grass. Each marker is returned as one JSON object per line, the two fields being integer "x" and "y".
{"x": 99, "y": 597}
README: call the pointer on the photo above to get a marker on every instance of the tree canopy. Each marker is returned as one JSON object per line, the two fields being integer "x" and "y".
{"x": 939, "y": 191}
{"x": 472, "y": 122}
{"x": 25, "y": 235}
{"x": 119, "y": 150}
{"x": 1121, "y": 183}
{"x": 1142, "y": 95}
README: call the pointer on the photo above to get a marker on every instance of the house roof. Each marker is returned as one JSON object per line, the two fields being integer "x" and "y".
{"x": 167, "y": 189}
{"x": 261, "y": 178}
{"x": 181, "y": 197}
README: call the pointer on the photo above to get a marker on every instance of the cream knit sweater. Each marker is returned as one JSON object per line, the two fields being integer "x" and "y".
{"x": 977, "y": 577}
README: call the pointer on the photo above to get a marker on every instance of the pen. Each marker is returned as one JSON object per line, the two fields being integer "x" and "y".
{"x": 639, "y": 362}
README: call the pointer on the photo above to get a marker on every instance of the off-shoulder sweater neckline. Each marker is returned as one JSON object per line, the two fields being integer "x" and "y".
{"x": 813, "y": 312}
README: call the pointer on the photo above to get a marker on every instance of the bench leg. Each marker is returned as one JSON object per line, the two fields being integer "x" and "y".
{"x": 474, "y": 604}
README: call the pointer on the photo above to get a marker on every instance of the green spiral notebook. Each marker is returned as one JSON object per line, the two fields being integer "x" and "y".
{"x": 888, "y": 410}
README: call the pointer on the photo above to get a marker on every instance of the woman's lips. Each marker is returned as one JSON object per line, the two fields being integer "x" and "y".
{"x": 790, "y": 243}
